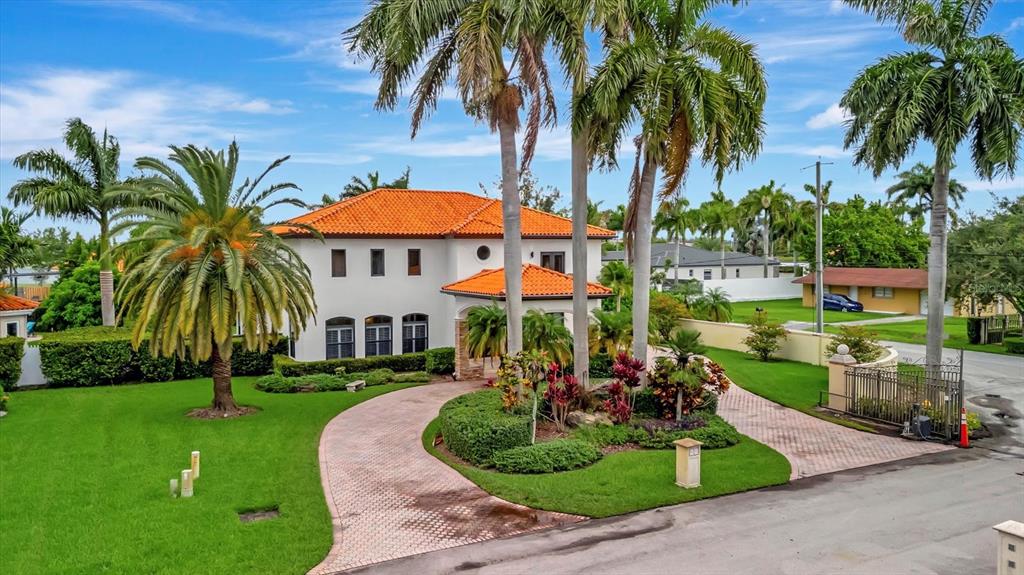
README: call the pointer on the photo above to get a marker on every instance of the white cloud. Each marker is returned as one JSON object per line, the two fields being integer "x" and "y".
{"x": 551, "y": 145}
{"x": 834, "y": 115}
{"x": 820, "y": 45}
{"x": 824, "y": 150}
{"x": 835, "y": 6}
{"x": 1015, "y": 185}
{"x": 146, "y": 115}
{"x": 1016, "y": 24}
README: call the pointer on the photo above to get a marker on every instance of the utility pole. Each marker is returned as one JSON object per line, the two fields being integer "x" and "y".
{"x": 819, "y": 270}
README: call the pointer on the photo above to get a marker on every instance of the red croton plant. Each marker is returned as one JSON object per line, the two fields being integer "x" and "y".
{"x": 563, "y": 393}
{"x": 627, "y": 372}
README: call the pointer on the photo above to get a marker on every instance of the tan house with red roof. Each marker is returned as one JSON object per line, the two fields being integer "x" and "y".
{"x": 879, "y": 289}
{"x": 398, "y": 269}
{"x": 14, "y": 313}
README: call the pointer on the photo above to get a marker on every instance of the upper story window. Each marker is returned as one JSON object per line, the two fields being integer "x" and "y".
{"x": 376, "y": 262}
{"x": 414, "y": 262}
{"x": 691, "y": 272}
{"x": 339, "y": 265}
{"x": 737, "y": 272}
{"x": 553, "y": 261}
{"x": 883, "y": 292}
{"x": 483, "y": 252}
{"x": 707, "y": 274}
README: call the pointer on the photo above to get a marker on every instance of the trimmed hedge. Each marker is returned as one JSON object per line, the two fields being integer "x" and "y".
{"x": 475, "y": 427}
{"x": 103, "y": 356}
{"x": 11, "y": 351}
{"x": 277, "y": 383}
{"x": 716, "y": 434}
{"x": 601, "y": 365}
{"x": 1014, "y": 344}
{"x": 440, "y": 360}
{"x": 548, "y": 457}
{"x": 289, "y": 367}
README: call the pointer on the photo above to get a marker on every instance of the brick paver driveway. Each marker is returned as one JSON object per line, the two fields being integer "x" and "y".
{"x": 389, "y": 498}
{"x": 813, "y": 446}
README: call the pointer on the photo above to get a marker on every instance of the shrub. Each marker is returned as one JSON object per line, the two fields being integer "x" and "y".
{"x": 475, "y": 427}
{"x": 11, "y": 351}
{"x": 601, "y": 365}
{"x": 440, "y": 360}
{"x": 558, "y": 455}
{"x": 1014, "y": 344}
{"x": 74, "y": 301}
{"x": 666, "y": 311}
{"x": 399, "y": 363}
{"x": 863, "y": 343}
{"x": 765, "y": 337}
{"x": 4, "y": 398}
{"x": 974, "y": 329}
{"x": 275, "y": 383}
{"x": 973, "y": 422}
{"x": 412, "y": 377}
{"x": 715, "y": 434}
{"x": 683, "y": 388}
{"x": 155, "y": 368}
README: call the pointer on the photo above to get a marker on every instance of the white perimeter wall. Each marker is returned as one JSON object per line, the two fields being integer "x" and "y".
{"x": 756, "y": 289}
{"x": 804, "y": 346}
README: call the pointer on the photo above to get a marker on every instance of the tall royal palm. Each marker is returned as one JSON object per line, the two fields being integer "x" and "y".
{"x": 692, "y": 87}
{"x": 956, "y": 87}
{"x": 467, "y": 39}
{"x": 675, "y": 218}
{"x": 201, "y": 262}
{"x": 717, "y": 216}
{"x": 85, "y": 187}
{"x": 771, "y": 203}
{"x": 912, "y": 194}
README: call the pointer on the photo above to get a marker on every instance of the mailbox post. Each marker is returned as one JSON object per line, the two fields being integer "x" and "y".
{"x": 687, "y": 462}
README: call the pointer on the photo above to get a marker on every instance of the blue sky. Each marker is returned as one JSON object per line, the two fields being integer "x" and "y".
{"x": 275, "y": 76}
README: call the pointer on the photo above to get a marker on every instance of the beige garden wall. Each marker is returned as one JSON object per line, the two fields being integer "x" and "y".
{"x": 804, "y": 346}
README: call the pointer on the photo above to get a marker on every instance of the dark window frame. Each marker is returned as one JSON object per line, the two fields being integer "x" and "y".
{"x": 334, "y": 264}
{"x": 341, "y": 349}
{"x": 415, "y": 344}
{"x": 381, "y": 346}
{"x": 417, "y": 268}
{"x": 557, "y": 258}
{"x": 374, "y": 252}
{"x": 707, "y": 273}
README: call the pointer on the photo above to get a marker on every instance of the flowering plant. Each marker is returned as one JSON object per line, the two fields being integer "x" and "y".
{"x": 563, "y": 392}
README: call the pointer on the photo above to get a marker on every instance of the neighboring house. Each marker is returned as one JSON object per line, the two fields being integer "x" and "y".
{"x": 398, "y": 270}
{"x": 14, "y": 312}
{"x": 695, "y": 263}
{"x": 879, "y": 289}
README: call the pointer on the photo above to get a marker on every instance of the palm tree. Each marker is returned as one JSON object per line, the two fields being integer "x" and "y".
{"x": 611, "y": 332}
{"x": 595, "y": 216}
{"x": 372, "y": 182}
{"x": 714, "y": 305}
{"x": 692, "y": 87}
{"x": 15, "y": 248}
{"x": 717, "y": 216}
{"x": 771, "y": 203}
{"x": 675, "y": 219}
{"x": 84, "y": 187}
{"x": 956, "y": 86}
{"x": 208, "y": 263}
{"x": 486, "y": 331}
{"x": 547, "y": 333}
{"x": 796, "y": 222}
{"x": 826, "y": 191}
{"x": 618, "y": 277}
{"x": 467, "y": 39}
{"x": 913, "y": 193}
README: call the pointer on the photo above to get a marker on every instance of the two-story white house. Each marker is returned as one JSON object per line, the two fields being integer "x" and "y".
{"x": 397, "y": 270}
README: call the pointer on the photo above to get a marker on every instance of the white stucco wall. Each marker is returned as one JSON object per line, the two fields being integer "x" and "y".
{"x": 756, "y": 289}
{"x": 745, "y": 272}
{"x": 358, "y": 295}
{"x": 19, "y": 318}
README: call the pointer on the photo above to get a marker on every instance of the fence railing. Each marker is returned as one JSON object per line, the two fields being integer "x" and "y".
{"x": 895, "y": 395}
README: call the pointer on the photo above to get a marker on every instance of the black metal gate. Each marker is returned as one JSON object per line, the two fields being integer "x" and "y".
{"x": 896, "y": 394}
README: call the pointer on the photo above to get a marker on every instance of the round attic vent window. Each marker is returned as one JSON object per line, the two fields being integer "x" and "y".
{"x": 483, "y": 252}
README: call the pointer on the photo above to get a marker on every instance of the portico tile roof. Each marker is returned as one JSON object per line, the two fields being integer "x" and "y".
{"x": 427, "y": 213}
{"x": 538, "y": 283}
{"x": 871, "y": 277}
{"x": 10, "y": 302}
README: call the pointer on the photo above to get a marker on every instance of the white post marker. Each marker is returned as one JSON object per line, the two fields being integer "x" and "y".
{"x": 186, "y": 483}
{"x": 687, "y": 462}
{"x": 174, "y": 488}
{"x": 195, "y": 465}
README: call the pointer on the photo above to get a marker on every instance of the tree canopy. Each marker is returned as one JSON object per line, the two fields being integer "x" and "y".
{"x": 986, "y": 255}
{"x": 859, "y": 234}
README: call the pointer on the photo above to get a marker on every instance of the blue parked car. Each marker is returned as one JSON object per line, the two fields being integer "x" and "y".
{"x": 839, "y": 302}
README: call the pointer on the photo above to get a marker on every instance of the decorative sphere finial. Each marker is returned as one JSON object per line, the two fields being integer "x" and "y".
{"x": 843, "y": 349}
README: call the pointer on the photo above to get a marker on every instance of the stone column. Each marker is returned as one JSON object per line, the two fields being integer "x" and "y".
{"x": 838, "y": 364}
{"x": 464, "y": 367}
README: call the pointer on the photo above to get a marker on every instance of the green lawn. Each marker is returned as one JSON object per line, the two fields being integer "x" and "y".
{"x": 630, "y": 480}
{"x": 783, "y": 310}
{"x": 84, "y": 474}
{"x": 790, "y": 383}
{"x": 914, "y": 332}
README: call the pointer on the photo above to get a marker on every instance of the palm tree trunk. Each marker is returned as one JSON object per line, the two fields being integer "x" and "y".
{"x": 642, "y": 257}
{"x": 675, "y": 272}
{"x": 937, "y": 264}
{"x": 580, "y": 317}
{"x": 512, "y": 236}
{"x": 721, "y": 246}
{"x": 767, "y": 241}
{"x": 106, "y": 276}
{"x": 223, "y": 399}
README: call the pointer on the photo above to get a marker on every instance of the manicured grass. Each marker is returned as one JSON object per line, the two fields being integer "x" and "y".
{"x": 630, "y": 480}
{"x": 783, "y": 310}
{"x": 84, "y": 480}
{"x": 914, "y": 332}
{"x": 790, "y": 383}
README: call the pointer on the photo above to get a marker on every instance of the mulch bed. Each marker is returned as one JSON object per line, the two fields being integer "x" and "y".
{"x": 209, "y": 413}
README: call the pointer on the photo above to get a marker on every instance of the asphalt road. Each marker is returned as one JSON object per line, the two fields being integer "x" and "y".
{"x": 928, "y": 515}
{"x": 993, "y": 387}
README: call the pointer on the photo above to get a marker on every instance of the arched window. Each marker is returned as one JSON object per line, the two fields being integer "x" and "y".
{"x": 378, "y": 335}
{"x": 341, "y": 337}
{"x": 414, "y": 332}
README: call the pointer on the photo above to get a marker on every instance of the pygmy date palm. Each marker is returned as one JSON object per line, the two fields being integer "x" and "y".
{"x": 201, "y": 261}
{"x": 956, "y": 87}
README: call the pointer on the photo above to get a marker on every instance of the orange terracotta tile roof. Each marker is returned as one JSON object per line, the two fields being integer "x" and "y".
{"x": 538, "y": 283}
{"x": 871, "y": 277}
{"x": 427, "y": 213}
{"x": 10, "y": 302}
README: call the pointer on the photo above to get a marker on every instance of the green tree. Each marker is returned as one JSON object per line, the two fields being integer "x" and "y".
{"x": 547, "y": 333}
{"x": 486, "y": 331}
{"x": 858, "y": 234}
{"x": 202, "y": 262}
{"x": 714, "y": 305}
{"x": 359, "y": 186}
{"x": 611, "y": 332}
{"x": 50, "y": 246}
{"x": 15, "y": 247}
{"x": 86, "y": 187}
{"x": 666, "y": 312}
{"x": 675, "y": 218}
{"x": 956, "y": 86}
{"x": 693, "y": 87}
{"x": 618, "y": 277}
{"x": 771, "y": 203}
{"x": 468, "y": 40}
{"x": 717, "y": 216}
{"x": 912, "y": 194}
{"x": 73, "y": 300}
{"x": 986, "y": 256}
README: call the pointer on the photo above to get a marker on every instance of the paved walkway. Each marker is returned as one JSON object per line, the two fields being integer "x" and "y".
{"x": 389, "y": 498}
{"x": 813, "y": 446}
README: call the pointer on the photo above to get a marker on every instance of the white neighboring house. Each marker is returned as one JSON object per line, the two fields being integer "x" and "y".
{"x": 14, "y": 313}
{"x": 397, "y": 270}
{"x": 698, "y": 264}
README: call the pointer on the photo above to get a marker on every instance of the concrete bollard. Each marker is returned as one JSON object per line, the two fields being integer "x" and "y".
{"x": 1010, "y": 556}
{"x": 186, "y": 483}
{"x": 195, "y": 465}
{"x": 687, "y": 462}
{"x": 174, "y": 488}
